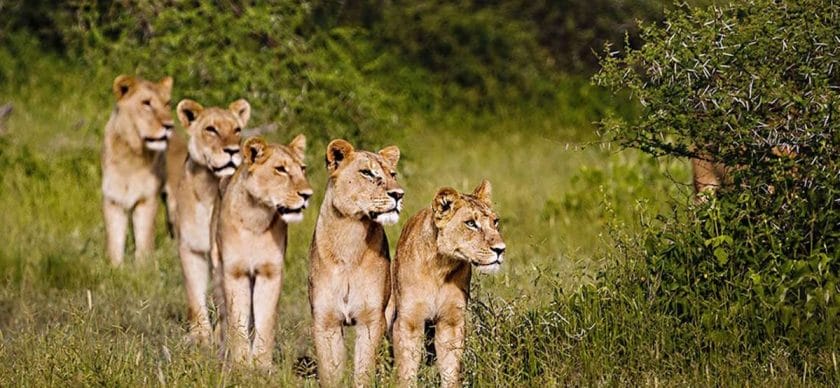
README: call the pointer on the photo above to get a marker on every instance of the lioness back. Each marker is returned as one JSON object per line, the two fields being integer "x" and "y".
{"x": 176, "y": 156}
{"x": 709, "y": 175}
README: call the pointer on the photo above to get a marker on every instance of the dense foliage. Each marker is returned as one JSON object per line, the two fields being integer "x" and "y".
{"x": 729, "y": 84}
{"x": 326, "y": 75}
{"x": 335, "y": 68}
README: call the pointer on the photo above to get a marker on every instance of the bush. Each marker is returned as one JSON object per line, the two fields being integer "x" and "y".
{"x": 342, "y": 68}
{"x": 305, "y": 66}
{"x": 730, "y": 84}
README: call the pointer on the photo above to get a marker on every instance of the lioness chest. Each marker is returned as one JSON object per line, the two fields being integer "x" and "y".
{"x": 431, "y": 300}
{"x": 245, "y": 252}
{"x": 352, "y": 291}
{"x": 127, "y": 182}
{"x": 195, "y": 225}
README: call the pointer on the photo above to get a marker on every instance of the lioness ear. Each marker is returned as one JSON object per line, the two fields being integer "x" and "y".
{"x": 166, "y": 85}
{"x": 188, "y": 110}
{"x": 242, "y": 109}
{"x": 391, "y": 154}
{"x": 298, "y": 146}
{"x": 122, "y": 85}
{"x": 444, "y": 205}
{"x": 254, "y": 149}
{"x": 483, "y": 192}
{"x": 337, "y": 151}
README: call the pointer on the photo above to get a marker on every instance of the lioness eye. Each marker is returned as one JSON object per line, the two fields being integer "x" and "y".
{"x": 167, "y": 104}
{"x": 237, "y": 130}
{"x": 303, "y": 168}
{"x": 147, "y": 102}
{"x": 393, "y": 174}
{"x": 471, "y": 224}
{"x": 280, "y": 169}
{"x": 496, "y": 222}
{"x": 212, "y": 129}
{"x": 367, "y": 173}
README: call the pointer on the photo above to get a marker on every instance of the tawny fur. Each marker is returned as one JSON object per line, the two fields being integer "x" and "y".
{"x": 176, "y": 157}
{"x": 214, "y": 152}
{"x": 267, "y": 192}
{"x": 133, "y": 163}
{"x": 708, "y": 175}
{"x": 349, "y": 274}
{"x": 436, "y": 253}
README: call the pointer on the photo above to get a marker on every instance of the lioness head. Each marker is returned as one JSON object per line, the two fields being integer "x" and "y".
{"x": 364, "y": 184}
{"x": 468, "y": 229}
{"x": 215, "y": 134}
{"x": 146, "y": 104}
{"x": 275, "y": 175}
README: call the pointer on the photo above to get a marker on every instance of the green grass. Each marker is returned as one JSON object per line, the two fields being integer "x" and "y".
{"x": 67, "y": 318}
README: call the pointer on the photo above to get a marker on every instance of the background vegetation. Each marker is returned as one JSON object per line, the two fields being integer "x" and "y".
{"x": 612, "y": 277}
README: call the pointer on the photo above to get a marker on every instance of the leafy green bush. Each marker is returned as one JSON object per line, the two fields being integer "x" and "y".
{"x": 342, "y": 68}
{"x": 730, "y": 84}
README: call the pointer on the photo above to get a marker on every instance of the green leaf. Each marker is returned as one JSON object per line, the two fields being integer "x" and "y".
{"x": 721, "y": 255}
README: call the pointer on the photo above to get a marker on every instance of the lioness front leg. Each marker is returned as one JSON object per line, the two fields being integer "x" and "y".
{"x": 238, "y": 295}
{"x": 196, "y": 268}
{"x": 449, "y": 347}
{"x": 116, "y": 226}
{"x": 143, "y": 220}
{"x": 408, "y": 338}
{"x": 329, "y": 347}
{"x": 368, "y": 337}
{"x": 266, "y": 293}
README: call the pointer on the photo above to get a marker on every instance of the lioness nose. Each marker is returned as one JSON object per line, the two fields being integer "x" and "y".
{"x": 396, "y": 194}
{"x": 498, "y": 250}
{"x": 305, "y": 194}
{"x": 232, "y": 150}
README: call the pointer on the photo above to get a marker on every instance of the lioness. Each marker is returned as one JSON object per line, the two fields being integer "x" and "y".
{"x": 709, "y": 175}
{"x": 269, "y": 191}
{"x": 349, "y": 274}
{"x": 133, "y": 162}
{"x": 436, "y": 252}
{"x": 213, "y": 148}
